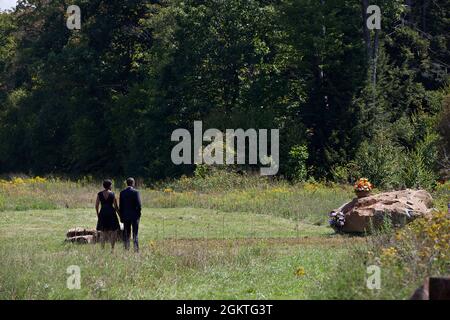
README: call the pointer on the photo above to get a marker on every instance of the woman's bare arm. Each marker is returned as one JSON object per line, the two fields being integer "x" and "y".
{"x": 97, "y": 204}
{"x": 116, "y": 205}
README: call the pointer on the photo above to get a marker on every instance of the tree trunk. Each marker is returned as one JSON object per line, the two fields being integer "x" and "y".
{"x": 424, "y": 15}
{"x": 409, "y": 17}
{"x": 375, "y": 57}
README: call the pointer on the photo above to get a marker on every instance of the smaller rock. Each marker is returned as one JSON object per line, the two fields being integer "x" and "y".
{"x": 83, "y": 235}
{"x": 82, "y": 239}
{"x": 81, "y": 232}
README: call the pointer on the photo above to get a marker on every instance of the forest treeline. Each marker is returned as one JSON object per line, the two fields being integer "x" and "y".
{"x": 348, "y": 101}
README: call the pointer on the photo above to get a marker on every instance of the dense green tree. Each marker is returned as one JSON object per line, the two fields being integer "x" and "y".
{"x": 105, "y": 99}
{"x": 327, "y": 37}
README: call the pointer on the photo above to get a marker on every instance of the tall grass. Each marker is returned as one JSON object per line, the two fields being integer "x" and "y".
{"x": 39, "y": 193}
{"x": 219, "y": 190}
{"x": 227, "y": 192}
{"x": 305, "y": 203}
{"x": 405, "y": 258}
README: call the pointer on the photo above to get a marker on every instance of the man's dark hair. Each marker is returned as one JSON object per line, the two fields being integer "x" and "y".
{"x": 107, "y": 184}
{"x": 130, "y": 182}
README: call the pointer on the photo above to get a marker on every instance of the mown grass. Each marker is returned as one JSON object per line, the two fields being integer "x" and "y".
{"x": 185, "y": 262}
{"x": 195, "y": 256}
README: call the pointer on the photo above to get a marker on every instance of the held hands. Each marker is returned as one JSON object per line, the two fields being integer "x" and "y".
{"x": 120, "y": 215}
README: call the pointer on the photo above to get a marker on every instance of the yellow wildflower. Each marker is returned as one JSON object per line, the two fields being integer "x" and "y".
{"x": 39, "y": 180}
{"x": 17, "y": 181}
{"x": 389, "y": 255}
{"x": 399, "y": 236}
{"x": 300, "y": 272}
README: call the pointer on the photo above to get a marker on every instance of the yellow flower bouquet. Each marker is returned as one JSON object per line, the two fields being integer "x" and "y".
{"x": 363, "y": 187}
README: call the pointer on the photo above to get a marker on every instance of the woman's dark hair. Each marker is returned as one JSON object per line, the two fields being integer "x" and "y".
{"x": 107, "y": 184}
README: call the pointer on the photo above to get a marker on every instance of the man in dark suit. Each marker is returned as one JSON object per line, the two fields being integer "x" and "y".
{"x": 130, "y": 213}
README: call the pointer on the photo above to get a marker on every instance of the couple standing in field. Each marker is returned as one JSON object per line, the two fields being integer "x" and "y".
{"x": 128, "y": 209}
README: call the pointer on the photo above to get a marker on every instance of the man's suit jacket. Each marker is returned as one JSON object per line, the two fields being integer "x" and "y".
{"x": 130, "y": 205}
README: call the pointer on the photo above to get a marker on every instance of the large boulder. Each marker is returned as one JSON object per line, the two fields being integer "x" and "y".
{"x": 401, "y": 207}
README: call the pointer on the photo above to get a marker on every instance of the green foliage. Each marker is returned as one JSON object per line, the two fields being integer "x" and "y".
{"x": 388, "y": 165}
{"x": 104, "y": 100}
{"x": 348, "y": 173}
{"x": 201, "y": 171}
{"x": 444, "y": 144}
{"x": 441, "y": 196}
{"x": 297, "y": 158}
{"x": 418, "y": 164}
{"x": 378, "y": 160}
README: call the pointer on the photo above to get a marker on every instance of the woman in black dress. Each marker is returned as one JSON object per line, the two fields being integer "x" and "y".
{"x": 108, "y": 223}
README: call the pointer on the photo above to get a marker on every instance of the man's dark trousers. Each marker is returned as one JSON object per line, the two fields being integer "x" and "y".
{"x": 128, "y": 227}
{"x": 130, "y": 214}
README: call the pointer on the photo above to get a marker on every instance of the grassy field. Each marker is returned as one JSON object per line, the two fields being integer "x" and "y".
{"x": 195, "y": 255}
{"x": 266, "y": 241}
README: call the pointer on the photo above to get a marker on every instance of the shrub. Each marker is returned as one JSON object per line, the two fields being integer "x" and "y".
{"x": 379, "y": 160}
{"x": 346, "y": 174}
{"x": 419, "y": 164}
{"x": 441, "y": 195}
{"x": 202, "y": 170}
{"x": 297, "y": 169}
{"x": 388, "y": 165}
{"x": 444, "y": 127}
{"x": 415, "y": 173}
